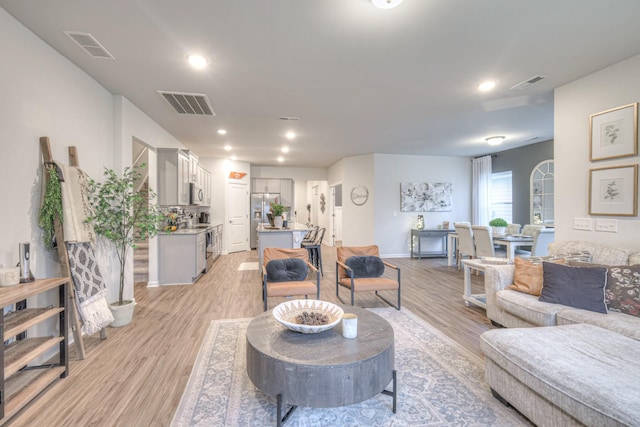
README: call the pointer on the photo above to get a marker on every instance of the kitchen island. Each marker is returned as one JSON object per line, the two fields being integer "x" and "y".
{"x": 182, "y": 255}
{"x": 272, "y": 237}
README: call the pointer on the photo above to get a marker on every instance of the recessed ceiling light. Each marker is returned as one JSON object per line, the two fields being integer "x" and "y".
{"x": 495, "y": 140}
{"x": 386, "y": 4}
{"x": 227, "y": 147}
{"x": 222, "y": 132}
{"x": 487, "y": 86}
{"x": 197, "y": 61}
{"x": 285, "y": 149}
{"x": 290, "y": 135}
{"x": 281, "y": 159}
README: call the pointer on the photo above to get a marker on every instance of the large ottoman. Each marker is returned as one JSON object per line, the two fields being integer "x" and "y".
{"x": 568, "y": 375}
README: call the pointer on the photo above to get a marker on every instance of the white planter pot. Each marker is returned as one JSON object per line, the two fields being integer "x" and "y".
{"x": 277, "y": 221}
{"x": 498, "y": 230}
{"x": 122, "y": 314}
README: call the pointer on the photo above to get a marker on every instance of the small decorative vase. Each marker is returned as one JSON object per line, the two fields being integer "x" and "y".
{"x": 420, "y": 225}
{"x": 277, "y": 221}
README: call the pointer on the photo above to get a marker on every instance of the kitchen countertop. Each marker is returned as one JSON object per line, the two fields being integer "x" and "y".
{"x": 262, "y": 228}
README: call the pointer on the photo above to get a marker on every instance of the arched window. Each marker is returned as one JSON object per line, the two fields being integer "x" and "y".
{"x": 541, "y": 192}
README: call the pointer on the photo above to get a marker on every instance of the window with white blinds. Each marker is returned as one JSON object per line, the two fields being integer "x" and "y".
{"x": 501, "y": 203}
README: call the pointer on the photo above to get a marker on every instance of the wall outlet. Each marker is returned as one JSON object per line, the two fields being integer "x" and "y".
{"x": 582, "y": 224}
{"x": 608, "y": 225}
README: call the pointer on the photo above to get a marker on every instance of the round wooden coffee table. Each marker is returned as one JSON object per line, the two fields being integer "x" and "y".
{"x": 321, "y": 370}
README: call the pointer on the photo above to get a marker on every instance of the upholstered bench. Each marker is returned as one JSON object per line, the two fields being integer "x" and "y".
{"x": 565, "y": 375}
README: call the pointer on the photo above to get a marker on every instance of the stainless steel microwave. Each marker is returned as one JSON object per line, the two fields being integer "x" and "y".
{"x": 197, "y": 195}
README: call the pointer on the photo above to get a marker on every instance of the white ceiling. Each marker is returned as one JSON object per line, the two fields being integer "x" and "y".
{"x": 361, "y": 79}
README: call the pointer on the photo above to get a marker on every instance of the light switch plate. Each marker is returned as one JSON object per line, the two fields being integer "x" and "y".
{"x": 608, "y": 225}
{"x": 582, "y": 224}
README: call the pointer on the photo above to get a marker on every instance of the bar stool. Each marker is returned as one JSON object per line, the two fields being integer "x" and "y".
{"x": 315, "y": 249}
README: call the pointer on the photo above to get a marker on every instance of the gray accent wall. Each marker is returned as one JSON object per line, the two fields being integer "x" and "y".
{"x": 521, "y": 161}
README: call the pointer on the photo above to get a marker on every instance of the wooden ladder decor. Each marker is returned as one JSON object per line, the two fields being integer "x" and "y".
{"x": 47, "y": 157}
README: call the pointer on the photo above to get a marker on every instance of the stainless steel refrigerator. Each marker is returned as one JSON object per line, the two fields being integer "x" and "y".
{"x": 260, "y": 207}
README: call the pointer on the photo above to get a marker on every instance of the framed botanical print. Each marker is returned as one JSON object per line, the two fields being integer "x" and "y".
{"x": 613, "y": 191}
{"x": 614, "y": 133}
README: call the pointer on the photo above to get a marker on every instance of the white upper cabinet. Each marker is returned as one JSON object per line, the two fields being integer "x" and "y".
{"x": 173, "y": 177}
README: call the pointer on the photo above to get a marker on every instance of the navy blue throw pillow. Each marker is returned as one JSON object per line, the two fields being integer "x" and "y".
{"x": 287, "y": 270}
{"x": 579, "y": 287}
{"x": 365, "y": 266}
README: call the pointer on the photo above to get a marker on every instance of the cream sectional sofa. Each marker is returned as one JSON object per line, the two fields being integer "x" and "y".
{"x": 558, "y": 365}
{"x": 514, "y": 309}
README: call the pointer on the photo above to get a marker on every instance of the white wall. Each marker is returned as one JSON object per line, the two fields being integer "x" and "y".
{"x": 44, "y": 94}
{"x": 392, "y": 227}
{"x": 611, "y": 87}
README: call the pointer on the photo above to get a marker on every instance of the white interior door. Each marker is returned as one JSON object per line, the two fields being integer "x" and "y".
{"x": 237, "y": 217}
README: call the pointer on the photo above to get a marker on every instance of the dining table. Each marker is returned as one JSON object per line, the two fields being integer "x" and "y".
{"x": 511, "y": 242}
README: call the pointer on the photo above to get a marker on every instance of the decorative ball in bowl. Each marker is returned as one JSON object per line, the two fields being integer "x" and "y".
{"x": 308, "y": 316}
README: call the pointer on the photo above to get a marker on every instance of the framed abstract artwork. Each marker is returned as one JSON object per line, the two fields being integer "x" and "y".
{"x": 426, "y": 197}
{"x": 613, "y": 191}
{"x": 614, "y": 133}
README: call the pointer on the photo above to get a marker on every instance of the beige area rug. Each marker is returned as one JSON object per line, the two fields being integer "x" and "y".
{"x": 439, "y": 384}
{"x": 248, "y": 266}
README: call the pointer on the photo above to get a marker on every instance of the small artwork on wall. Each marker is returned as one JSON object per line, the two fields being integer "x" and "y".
{"x": 614, "y": 133}
{"x": 426, "y": 197}
{"x": 613, "y": 191}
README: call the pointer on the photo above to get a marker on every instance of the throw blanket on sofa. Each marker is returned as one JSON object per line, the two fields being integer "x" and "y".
{"x": 90, "y": 288}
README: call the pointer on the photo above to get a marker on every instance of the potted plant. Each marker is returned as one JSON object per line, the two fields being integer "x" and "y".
{"x": 277, "y": 210}
{"x": 498, "y": 225}
{"x": 124, "y": 216}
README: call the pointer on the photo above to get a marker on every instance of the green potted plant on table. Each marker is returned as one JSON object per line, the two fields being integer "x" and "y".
{"x": 498, "y": 225}
{"x": 123, "y": 215}
{"x": 277, "y": 210}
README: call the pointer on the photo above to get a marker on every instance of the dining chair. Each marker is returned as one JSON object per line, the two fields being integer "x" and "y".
{"x": 529, "y": 229}
{"x": 466, "y": 246}
{"x": 513, "y": 229}
{"x": 288, "y": 272}
{"x": 483, "y": 240}
{"x": 360, "y": 269}
{"x": 540, "y": 246}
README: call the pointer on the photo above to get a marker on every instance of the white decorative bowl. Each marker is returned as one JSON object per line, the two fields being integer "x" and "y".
{"x": 287, "y": 312}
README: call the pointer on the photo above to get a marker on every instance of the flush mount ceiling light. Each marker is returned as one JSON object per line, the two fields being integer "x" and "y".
{"x": 495, "y": 140}
{"x": 285, "y": 149}
{"x": 386, "y": 4}
{"x": 290, "y": 135}
{"x": 281, "y": 159}
{"x": 197, "y": 61}
{"x": 227, "y": 147}
{"x": 234, "y": 158}
{"x": 222, "y": 132}
{"x": 487, "y": 85}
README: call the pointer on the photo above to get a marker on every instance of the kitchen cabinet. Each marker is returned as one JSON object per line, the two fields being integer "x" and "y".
{"x": 173, "y": 177}
{"x": 181, "y": 256}
{"x": 286, "y": 193}
{"x": 19, "y": 386}
{"x": 262, "y": 185}
{"x": 194, "y": 167}
{"x": 205, "y": 184}
{"x": 216, "y": 244}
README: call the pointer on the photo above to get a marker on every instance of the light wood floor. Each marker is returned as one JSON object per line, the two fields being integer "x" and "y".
{"x": 136, "y": 377}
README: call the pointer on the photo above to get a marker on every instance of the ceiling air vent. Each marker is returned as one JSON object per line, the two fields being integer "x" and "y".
{"x": 288, "y": 118}
{"x": 189, "y": 103}
{"x": 528, "y": 82}
{"x": 89, "y": 44}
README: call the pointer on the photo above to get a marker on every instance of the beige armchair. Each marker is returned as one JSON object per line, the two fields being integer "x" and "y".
{"x": 284, "y": 277}
{"x": 359, "y": 269}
